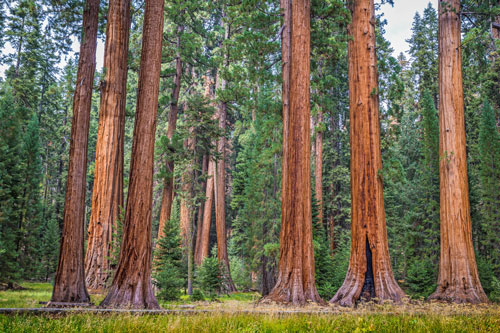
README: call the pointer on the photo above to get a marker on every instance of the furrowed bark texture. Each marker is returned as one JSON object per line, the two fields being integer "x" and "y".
{"x": 199, "y": 217}
{"x": 318, "y": 167}
{"x": 295, "y": 283}
{"x": 220, "y": 184}
{"x": 107, "y": 195}
{"x": 458, "y": 279}
{"x": 368, "y": 228}
{"x": 168, "y": 187}
{"x": 204, "y": 240}
{"x": 69, "y": 284}
{"x": 132, "y": 286}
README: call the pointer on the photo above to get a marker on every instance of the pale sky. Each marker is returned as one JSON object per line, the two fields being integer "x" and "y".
{"x": 400, "y": 19}
{"x": 398, "y": 28}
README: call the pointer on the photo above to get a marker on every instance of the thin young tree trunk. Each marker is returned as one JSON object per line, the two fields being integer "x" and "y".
{"x": 295, "y": 283}
{"x": 458, "y": 279}
{"x": 107, "y": 195}
{"x": 132, "y": 286}
{"x": 69, "y": 284}
{"x": 168, "y": 187}
{"x": 370, "y": 272}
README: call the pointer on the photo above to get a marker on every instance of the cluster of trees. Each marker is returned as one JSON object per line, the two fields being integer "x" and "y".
{"x": 320, "y": 158}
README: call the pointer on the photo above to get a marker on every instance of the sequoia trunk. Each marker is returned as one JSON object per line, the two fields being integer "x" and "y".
{"x": 318, "y": 166}
{"x": 69, "y": 283}
{"x": 107, "y": 195}
{"x": 132, "y": 286}
{"x": 168, "y": 186}
{"x": 295, "y": 283}
{"x": 458, "y": 279}
{"x": 370, "y": 269}
{"x": 204, "y": 247}
{"x": 220, "y": 183}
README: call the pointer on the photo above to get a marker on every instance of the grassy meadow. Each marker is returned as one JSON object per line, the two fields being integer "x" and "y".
{"x": 240, "y": 313}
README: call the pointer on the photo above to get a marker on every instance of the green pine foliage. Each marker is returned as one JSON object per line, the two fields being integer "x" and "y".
{"x": 168, "y": 270}
{"x": 323, "y": 261}
{"x": 489, "y": 149}
{"x": 208, "y": 276}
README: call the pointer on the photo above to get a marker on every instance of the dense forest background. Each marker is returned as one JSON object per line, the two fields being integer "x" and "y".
{"x": 35, "y": 121}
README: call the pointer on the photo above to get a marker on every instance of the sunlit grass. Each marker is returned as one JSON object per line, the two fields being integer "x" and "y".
{"x": 239, "y": 312}
{"x": 250, "y": 323}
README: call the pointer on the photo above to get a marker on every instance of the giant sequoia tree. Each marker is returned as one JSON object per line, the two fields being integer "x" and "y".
{"x": 69, "y": 284}
{"x": 458, "y": 279}
{"x": 132, "y": 282}
{"x": 295, "y": 283}
{"x": 370, "y": 273}
{"x": 107, "y": 196}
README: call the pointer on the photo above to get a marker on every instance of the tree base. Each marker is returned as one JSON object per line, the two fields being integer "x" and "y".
{"x": 454, "y": 294}
{"x": 133, "y": 298}
{"x": 295, "y": 295}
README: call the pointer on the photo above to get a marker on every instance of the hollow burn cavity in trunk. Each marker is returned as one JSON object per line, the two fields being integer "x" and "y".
{"x": 368, "y": 290}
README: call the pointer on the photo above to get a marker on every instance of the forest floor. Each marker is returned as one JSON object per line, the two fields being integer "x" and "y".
{"x": 240, "y": 312}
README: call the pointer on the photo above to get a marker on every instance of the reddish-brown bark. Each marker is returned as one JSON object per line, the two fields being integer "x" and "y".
{"x": 220, "y": 182}
{"x": 199, "y": 218}
{"x": 295, "y": 283}
{"x": 495, "y": 26}
{"x": 203, "y": 249}
{"x": 318, "y": 166}
{"x": 132, "y": 286}
{"x": 107, "y": 195}
{"x": 69, "y": 284}
{"x": 370, "y": 273}
{"x": 168, "y": 186}
{"x": 458, "y": 279}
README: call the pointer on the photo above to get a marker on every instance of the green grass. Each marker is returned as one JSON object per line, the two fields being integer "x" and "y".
{"x": 410, "y": 317}
{"x": 249, "y": 323}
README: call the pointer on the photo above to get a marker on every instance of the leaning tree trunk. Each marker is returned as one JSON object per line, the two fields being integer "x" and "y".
{"x": 168, "y": 186}
{"x": 69, "y": 283}
{"x": 132, "y": 286}
{"x": 370, "y": 273}
{"x": 295, "y": 282}
{"x": 107, "y": 195}
{"x": 458, "y": 279}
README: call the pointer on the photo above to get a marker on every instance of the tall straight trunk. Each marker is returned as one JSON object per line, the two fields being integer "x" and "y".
{"x": 186, "y": 211}
{"x": 199, "y": 218}
{"x": 203, "y": 249}
{"x": 220, "y": 184}
{"x": 168, "y": 186}
{"x": 132, "y": 286}
{"x": 295, "y": 282}
{"x": 370, "y": 272}
{"x": 69, "y": 284}
{"x": 458, "y": 279}
{"x": 318, "y": 167}
{"x": 107, "y": 195}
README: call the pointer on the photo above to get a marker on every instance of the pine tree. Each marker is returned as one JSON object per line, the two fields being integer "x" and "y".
{"x": 489, "y": 147}
{"x": 168, "y": 265}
